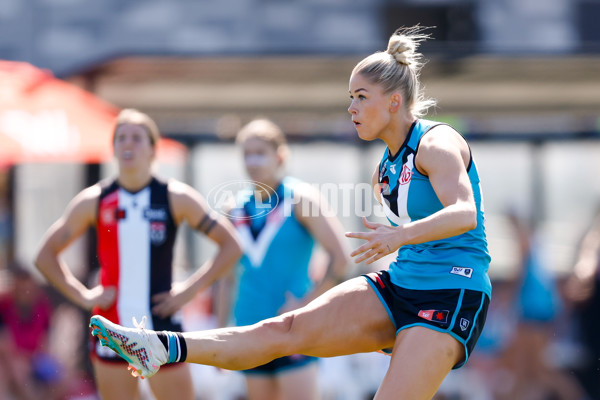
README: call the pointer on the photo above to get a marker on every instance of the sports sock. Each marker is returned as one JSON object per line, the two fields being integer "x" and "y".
{"x": 182, "y": 347}
{"x": 174, "y": 345}
{"x": 163, "y": 338}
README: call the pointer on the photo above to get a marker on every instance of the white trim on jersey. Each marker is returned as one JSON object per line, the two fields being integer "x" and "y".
{"x": 393, "y": 217}
{"x": 134, "y": 279}
{"x": 256, "y": 249}
{"x": 402, "y": 198}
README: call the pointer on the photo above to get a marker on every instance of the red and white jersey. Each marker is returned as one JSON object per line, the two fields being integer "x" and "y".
{"x": 135, "y": 237}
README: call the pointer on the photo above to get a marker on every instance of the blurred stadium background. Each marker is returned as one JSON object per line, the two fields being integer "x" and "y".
{"x": 519, "y": 78}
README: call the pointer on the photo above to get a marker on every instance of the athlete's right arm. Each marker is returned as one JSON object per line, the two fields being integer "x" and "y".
{"x": 79, "y": 215}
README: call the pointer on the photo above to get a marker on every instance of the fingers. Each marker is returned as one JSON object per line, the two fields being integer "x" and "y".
{"x": 369, "y": 224}
{"x": 367, "y": 256}
{"x": 364, "y": 235}
{"x": 157, "y": 298}
{"x": 165, "y": 304}
{"x": 110, "y": 290}
{"x": 365, "y": 247}
{"x": 108, "y": 297}
{"x": 371, "y": 251}
{"x": 378, "y": 256}
{"x": 163, "y": 309}
{"x": 377, "y": 243}
{"x": 102, "y": 297}
{"x": 162, "y": 304}
{"x": 134, "y": 372}
{"x": 358, "y": 235}
{"x": 372, "y": 255}
{"x": 105, "y": 302}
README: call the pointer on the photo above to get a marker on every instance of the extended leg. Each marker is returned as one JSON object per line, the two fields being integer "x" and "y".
{"x": 347, "y": 319}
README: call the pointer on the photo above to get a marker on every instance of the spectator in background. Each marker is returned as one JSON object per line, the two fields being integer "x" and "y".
{"x": 583, "y": 291}
{"x": 26, "y": 364}
{"x": 278, "y": 224}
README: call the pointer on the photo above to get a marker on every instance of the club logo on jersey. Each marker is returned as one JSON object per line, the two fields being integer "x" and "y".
{"x": 440, "y": 316}
{"x": 464, "y": 324}
{"x": 405, "y": 175}
{"x": 462, "y": 271}
{"x": 158, "y": 232}
{"x": 108, "y": 216}
{"x": 155, "y": 214}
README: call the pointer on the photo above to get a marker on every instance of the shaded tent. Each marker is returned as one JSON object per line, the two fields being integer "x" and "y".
{"x": 45, "y": 119}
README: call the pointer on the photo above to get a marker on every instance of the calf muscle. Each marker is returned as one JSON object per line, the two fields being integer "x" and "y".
{"x": 347, "y": 319}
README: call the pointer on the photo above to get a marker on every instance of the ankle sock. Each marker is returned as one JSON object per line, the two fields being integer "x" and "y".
{"x": 174, "y": 345}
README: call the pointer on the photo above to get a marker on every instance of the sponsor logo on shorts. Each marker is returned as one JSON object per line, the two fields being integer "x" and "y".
{"x": 464, "y": 324}
{"x": 462, "y": 271}
{"x": 440, "y": 316}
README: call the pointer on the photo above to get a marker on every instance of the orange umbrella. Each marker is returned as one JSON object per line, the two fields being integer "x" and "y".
{"x": 45, "y": 119}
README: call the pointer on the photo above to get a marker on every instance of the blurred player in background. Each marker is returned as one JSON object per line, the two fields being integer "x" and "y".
{"x": 429, "y": 307}
{"x": 278, "y": 225}
{"x": 136, "y": 216}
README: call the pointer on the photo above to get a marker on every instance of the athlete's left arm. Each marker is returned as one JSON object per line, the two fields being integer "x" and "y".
{"x": 187, "y": 205}
{"x": 443, "y": 156}
{"x": 313, "y": 212}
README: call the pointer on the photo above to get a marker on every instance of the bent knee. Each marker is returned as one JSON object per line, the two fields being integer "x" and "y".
{"x": 280, "y": 325}
{"x": 281, "y": 332}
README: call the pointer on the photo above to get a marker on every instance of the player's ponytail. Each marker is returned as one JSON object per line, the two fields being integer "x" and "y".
{"x": 398, "y": 68}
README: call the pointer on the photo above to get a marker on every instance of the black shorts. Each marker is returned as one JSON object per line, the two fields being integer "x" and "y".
{"x": 458, "y": 312}
{"x": 282, "y": 364}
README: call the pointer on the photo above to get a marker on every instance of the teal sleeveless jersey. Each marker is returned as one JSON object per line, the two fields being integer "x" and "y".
{"x": 277, "y": 252}
{"x": 407, "y": 195}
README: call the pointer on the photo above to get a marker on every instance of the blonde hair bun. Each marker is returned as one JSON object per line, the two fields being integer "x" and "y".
{"x": 402, "y": 48}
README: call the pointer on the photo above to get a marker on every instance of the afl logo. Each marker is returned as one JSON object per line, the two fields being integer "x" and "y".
{"x": 405, "y": 175}
{"x": 224, "y": 197}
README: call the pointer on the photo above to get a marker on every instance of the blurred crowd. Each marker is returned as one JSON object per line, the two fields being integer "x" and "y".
{"x": 541, "y": 340}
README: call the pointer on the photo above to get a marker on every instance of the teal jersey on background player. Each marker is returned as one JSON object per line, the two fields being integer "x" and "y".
{"x": 456, "y": 262}
{"x": 277, "y": 253}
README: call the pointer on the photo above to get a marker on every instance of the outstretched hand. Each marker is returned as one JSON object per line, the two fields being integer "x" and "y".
{"x": 381, "y": 241}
